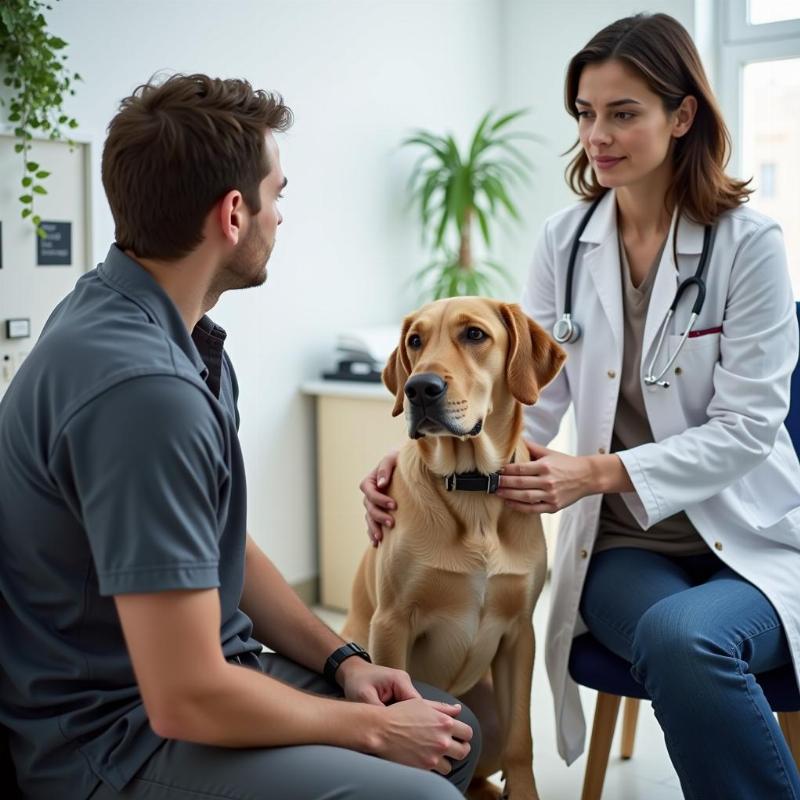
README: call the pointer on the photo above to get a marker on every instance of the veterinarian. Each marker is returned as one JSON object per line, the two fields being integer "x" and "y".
{"x": 134, "y": 602}
{"x": 679, "y": 546}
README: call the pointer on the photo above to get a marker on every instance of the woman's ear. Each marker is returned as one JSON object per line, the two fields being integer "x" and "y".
{"x": 397, "y": 369}
{"x": 684, "y": 116}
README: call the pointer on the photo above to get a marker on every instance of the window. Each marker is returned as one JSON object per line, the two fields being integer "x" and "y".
{"x": 761, "y": 12}
{"x": 766, "y": 184}
{"x": 760, "y": 95}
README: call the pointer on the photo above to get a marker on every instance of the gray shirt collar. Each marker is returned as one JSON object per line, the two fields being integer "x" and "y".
{"x": 130, "y": 279}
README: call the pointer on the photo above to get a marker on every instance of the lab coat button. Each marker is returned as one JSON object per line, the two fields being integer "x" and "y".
{"x": 718, "y": 545}
{"x": 584, "y": 553}
{"x": 601, "y": 450}
{"x": 678, "y": 370}
{"x": 612, "y": 374}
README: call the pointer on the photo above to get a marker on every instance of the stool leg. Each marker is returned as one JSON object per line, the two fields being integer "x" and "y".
{"x": 630, "y": 716}
{"x": 790, "y": 725}
{"x": 605, "y": 720}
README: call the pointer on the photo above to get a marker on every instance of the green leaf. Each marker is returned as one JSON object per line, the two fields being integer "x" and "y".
{"x": 440, "y": 230}
{"x": 27, "y": 181}
{"x": 436, "y": 145}
{"x": 516, "y": 153}
{"x": 484, "y": 225}
{"x": 506, "y": 118}
{"x": 429, "y": 187}
{"x": 42, "y": 174}
{"x": 39, "y": 190}
{"x": 18, "y": 148}
{"x": 477, "y": 137}
{"x": 26, "y": 212}
{"x": 31, "y": 166}
{"x": 36, "y": 219}
{"x": 26, "y": 198}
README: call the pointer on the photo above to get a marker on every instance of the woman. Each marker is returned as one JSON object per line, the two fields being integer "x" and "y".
{"x": 680, "y": 545}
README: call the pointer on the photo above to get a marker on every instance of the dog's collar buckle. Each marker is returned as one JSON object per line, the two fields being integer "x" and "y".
{"x": 472, "y": 482}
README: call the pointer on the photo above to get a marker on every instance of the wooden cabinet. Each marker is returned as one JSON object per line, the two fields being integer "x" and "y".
{"x": 355, "y": 428}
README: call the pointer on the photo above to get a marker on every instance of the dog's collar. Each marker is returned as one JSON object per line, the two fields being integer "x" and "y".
{"x": 473, "y": 481}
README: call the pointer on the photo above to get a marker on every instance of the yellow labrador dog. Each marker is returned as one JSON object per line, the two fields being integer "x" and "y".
{"x": 449, "y": 595}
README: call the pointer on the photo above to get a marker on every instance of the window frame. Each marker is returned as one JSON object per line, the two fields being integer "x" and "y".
{"x": 737, "y": 28}
{"x": 741, "y": 43}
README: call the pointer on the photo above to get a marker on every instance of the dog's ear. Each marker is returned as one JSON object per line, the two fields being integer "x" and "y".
{"x": 533, "y": 359}
{"x": 397, "y": 369}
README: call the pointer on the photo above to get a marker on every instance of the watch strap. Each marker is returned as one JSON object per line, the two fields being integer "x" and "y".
{"x": 341, "y": 654}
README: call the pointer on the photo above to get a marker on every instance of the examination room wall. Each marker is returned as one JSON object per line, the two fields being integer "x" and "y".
{"x": 359, "y": 74}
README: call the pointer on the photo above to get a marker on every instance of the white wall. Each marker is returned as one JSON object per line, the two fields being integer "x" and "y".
{"x": 358, "y": 74}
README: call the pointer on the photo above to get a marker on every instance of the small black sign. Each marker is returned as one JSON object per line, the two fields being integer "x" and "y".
{"x": 55, "y": 249}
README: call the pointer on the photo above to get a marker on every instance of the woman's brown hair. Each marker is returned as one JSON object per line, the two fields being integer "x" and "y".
{"x": 660, "y": 51}
{"x": 175, "y": 148}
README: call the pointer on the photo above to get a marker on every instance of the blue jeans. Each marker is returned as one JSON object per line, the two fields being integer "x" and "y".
{"x": 695, "y": 632}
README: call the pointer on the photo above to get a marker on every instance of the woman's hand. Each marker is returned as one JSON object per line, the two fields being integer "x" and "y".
{"x": 378, "y": 504}
{"x": 550, "y": 482}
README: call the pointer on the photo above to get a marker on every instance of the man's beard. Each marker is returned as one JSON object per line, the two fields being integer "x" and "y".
{"x": 247, "y": 266}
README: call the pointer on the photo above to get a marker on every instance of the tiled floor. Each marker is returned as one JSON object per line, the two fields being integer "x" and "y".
{"x": 647, "y": 776}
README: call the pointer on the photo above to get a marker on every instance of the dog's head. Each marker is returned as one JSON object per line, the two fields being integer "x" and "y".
{"x": 459, "y": 358}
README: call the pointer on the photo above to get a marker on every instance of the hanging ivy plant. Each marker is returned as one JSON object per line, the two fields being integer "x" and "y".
{"x": 33, "y": 68}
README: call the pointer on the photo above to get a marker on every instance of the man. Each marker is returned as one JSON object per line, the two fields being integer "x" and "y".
{"x": 134, "y": 603}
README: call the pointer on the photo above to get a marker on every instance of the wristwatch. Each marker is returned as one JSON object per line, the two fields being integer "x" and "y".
{"x": 340, "y": 654}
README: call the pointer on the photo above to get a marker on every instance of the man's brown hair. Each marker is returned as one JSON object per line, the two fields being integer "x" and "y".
{"x": 175, "y": 148}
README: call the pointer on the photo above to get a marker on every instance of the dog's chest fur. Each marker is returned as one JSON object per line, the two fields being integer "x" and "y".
{"x": 487, "y": 567}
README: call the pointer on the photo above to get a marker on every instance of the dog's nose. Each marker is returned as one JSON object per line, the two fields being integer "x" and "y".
{"x": 425, "y": 388}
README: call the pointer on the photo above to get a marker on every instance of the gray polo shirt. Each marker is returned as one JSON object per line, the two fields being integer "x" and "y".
{"x": 120, "y": 471}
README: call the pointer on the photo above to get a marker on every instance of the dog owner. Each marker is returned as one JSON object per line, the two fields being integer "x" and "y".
{"x": 680, "y": 546}
{"x": 134, "y": 602}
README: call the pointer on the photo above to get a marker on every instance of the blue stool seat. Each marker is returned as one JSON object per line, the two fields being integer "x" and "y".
{"x": 593, "y": 665}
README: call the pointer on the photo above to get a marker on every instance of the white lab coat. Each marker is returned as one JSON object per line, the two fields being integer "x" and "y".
{"x": 720, "y": 451}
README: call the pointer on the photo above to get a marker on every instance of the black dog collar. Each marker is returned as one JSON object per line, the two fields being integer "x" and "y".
{"x": 472, "y": 482}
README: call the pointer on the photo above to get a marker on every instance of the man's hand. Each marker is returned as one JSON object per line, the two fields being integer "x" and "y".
{"x": 423, "y": 733}
{"x": 370, "y": 683}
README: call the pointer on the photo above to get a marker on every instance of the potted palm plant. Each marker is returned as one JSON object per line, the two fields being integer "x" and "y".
{"x": 455, "y": 190}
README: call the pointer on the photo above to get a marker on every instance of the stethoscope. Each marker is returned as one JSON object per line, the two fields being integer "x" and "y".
{"x": 567, "y": 331}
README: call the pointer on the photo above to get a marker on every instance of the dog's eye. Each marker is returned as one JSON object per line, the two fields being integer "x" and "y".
{"x": 414, "y": 341}
{"x": 475, "y": 334}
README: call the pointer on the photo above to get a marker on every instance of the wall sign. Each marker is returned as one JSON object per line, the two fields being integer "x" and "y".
{"x": 55, "y": 249}
{"x": 18, "y": 328}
